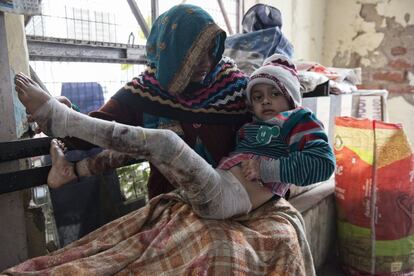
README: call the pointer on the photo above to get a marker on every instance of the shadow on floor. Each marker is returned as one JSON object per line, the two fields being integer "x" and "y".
{"x": 331, "y": 267}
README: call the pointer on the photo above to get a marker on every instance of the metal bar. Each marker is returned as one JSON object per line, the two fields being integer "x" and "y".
{"x": 24, "y": 148}
{"x": 60, "y": 49}
{"x": 154, "y": 11}
{"x": 239, "y": 15}
{"x": 243, "y": 11}
{"x": 27, "y": 19}
{"x": 20, "y": 180}
{"x": 138, "y": 16}
{"x": 96, "y": 27}
{"x": 67, "y": 24}
{"x": 226, "y": 18}
{"x": 29, "y": 16}
{"x": 24, "y": 179}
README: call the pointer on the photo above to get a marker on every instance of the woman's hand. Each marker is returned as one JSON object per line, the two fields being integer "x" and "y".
{"x": 251, "y": 169}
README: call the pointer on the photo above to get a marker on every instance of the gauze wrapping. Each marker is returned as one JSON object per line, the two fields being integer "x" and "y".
{"x": 212, "y": 193}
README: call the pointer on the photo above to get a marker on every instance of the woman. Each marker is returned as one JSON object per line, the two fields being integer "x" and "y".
{"x": 166, "y": 236}
{"x": 188, "y": 87}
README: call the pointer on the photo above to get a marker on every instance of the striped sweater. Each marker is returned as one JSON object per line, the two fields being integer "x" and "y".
{"x": 292, "y": 148}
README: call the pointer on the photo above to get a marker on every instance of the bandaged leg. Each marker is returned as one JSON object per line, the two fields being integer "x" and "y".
{"x": 213, "y": 194}
{"x": 63, "y": 171}
{"x": 102, "y": 162}
{"x": 232, "y": 199}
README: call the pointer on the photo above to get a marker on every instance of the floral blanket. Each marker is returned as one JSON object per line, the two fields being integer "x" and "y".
{"x": 166, "y": 238}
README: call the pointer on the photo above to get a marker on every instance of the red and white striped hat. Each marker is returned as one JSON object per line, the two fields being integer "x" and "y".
{"x": 280, "y": 71}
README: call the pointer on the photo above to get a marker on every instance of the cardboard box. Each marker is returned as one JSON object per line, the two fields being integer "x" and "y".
{"x": 371, "y": 104}
{"x": 321, "y": 107}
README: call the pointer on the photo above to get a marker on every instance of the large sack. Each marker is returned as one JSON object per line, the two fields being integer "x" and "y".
{"x": 375, "y": 197}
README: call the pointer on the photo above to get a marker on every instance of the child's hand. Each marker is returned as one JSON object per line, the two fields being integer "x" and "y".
{"x": 251, "y": 169}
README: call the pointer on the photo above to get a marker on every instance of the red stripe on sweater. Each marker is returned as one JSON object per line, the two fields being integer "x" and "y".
{"x": 305, "y": 126}
{"x": 306, "y": 138}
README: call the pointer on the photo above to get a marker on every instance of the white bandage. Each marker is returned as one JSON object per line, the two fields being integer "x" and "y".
{"x": 62, "y": 121}
{"x": 214, "y": 194}
{"x": 231, "y": 199}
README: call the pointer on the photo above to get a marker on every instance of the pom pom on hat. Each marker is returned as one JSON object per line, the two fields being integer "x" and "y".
{"x": 277, "y": 70}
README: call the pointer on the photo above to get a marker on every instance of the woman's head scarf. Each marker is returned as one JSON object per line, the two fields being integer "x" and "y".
{"x": 178, "y": 40}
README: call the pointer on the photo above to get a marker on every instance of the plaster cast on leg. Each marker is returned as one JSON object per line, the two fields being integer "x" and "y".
{"x": 62, "y": 121}
{"x": 102, "y": 162}
{"x": 213, "y": 194}
{"x": 163, "y": 148}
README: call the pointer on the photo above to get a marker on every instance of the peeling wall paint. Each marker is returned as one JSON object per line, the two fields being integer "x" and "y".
{"x": 401, "y": 10}
{"x": 348, "y": 36}
{"x": 369, "y": 39}
{"x": 410, "y": 78}
{"x": 378, "y": 36}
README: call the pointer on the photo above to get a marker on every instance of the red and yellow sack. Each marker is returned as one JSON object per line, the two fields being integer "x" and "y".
{"x": 374, "y": 197}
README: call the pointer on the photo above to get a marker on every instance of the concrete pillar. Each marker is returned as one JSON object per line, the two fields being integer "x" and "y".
{"x": 15, "y": 221}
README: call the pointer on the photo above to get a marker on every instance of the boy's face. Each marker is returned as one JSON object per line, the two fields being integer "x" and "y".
{"x": 267, "y": 101}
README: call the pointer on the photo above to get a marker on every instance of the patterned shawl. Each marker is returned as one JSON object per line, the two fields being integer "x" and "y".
{"x": 178, "y": 39}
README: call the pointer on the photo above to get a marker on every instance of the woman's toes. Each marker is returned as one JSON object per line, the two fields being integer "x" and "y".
{"x": 62, "y": 171}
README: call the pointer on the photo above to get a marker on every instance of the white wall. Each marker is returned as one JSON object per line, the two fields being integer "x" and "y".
{"x": 365, "y": 33}
{"x": 358, "y": 33}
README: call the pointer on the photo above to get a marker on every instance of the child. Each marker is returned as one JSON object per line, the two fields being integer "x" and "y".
{"x": 284, "y": 144}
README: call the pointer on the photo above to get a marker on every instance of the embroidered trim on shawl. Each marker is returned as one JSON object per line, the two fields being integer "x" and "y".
{"x": 213, "y": 106}
{"x": 181, "y": 79}
{"x": 221, "y": 102}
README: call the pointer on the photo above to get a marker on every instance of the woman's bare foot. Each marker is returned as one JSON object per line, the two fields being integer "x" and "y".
{"x": 30, "y": 93}
{"x": 62, "y": 171}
